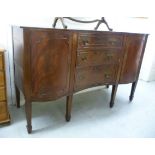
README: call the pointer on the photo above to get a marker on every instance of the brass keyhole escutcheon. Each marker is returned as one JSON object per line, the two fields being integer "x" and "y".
{"x": 84, "y": 58}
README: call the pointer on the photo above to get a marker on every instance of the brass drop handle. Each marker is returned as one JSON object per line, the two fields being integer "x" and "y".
{"x": 85, "y": 41}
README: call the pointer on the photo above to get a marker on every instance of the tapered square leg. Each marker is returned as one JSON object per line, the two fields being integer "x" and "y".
{"x": 113, "y": 95}
{"x": 17, "y": 97}
{"x": 107, "y": 86}
{"x": 133, "y": 88}
{"x": 28, "y": 111}
{"x": 68, "y": 107}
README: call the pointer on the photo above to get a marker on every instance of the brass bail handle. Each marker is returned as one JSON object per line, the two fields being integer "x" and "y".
{"x": 99, "y": 22}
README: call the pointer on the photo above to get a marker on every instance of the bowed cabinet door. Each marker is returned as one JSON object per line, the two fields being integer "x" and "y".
{"x": 50, "y": 64}
{"x": 134, "y": 47}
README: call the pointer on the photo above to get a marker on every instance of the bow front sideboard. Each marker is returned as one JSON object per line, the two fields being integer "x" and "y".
{"x": 53, "y": 63}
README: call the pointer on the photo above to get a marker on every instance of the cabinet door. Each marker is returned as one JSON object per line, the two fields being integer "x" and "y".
{"x": 50, "y": 64}
{"x": 134, "y": 50}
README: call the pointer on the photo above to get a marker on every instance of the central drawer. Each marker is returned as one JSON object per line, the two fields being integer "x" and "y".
{"x": 90, "y": 40}
{"x": 98, "y": 57}
{"x": 93, "y": 76}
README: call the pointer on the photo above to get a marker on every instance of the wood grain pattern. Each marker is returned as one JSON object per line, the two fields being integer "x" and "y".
{"x": 51, "y": 60}
{"x": 134, "y": 52}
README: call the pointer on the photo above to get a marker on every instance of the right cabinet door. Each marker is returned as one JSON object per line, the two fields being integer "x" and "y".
{"x": 134, "y": 49}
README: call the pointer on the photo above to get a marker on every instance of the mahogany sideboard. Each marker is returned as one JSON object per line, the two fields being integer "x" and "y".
{"x": 52, "y": 63}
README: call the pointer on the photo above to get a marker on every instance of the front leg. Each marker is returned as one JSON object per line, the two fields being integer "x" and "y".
{"x": 17, "y": 97}
{"x": 133, "y": 88}
{"x": 113, "y": 95}
{"x": 28, "y": 111}
{"x": 68, "y": 107}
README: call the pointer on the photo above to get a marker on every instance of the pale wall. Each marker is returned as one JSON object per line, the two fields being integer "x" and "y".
{"x": 118, "y": 24}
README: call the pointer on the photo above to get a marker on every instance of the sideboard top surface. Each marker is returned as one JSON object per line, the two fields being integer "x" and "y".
{"x": 78, "y": 30}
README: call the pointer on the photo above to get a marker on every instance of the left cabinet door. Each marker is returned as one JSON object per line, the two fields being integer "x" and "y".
{"x": 50, "y": 64}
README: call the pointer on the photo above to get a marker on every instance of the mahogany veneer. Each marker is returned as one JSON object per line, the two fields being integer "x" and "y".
{"x": 52, "y": 63}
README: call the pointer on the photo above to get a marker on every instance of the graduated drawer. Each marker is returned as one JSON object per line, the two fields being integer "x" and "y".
{"x": 1, "y": 62}
{"x": 2, "y": 81}
{"x": 2, "y": 94}
{"x": 3, "y": 111}
{"x": 92, "y": 76}
{"x": 2, "y": 107}
{"x": 99, "y": 40}
{"x": 98, "y": 57}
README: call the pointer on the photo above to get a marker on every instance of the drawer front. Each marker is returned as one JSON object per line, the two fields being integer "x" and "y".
{"x": 2, "y": 78}
{"x": 93, "y": 76}
{"x": 3, "y": 112}
{"x": 1, "y": 62}
{"x": 2, "y": 94}
{"x": 3, "y": 107}
{"x": 100, "y": 40}
{"x": 98, "y": 57}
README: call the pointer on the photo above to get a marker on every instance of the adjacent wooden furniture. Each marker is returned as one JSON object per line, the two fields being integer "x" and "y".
{"x": 52, "y": 63}
{"x": 4, "y": 113}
